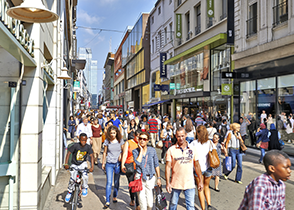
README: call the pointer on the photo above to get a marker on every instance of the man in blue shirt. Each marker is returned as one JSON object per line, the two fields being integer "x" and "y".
{"x": 116, "y": 122}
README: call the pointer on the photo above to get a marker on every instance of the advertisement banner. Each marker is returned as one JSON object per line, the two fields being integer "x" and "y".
{"x": 179, "y": 26}
{"x": 76, "y": 86}
{"x": 172, "y": 86}
{"x": 165, "y": 89}
{"x": 227, "y": 89}
{"x": 163, "y": 72}
{"x": 157, "y": 87}
{"x": 210, "y": 8}
{"x": 231, "y": 22}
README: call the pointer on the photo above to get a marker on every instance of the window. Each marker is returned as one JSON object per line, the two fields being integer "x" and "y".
{"x": 188, "y": 25}
{"x": 152, "y": 45}
{"x": 170, "y": 1}
{"x": 280, "y": 12}
{"x": 152, "y": 19}
{"x": 170, "y": 55}
{"x": 198, "y": 20}
{"x": 155, "y": 44}
{"x": 179, "y": 2}
{"x": 252, "y": 21}
{"x": 159, "y": 10}
{"x": 165, "y": 35}
{"x": 153, "y": 80}
{"x": 171, "y": 31}
{"x": 224, "y": 9}
{"x": 160, "y": 39}
{"x": 123, "y": 85}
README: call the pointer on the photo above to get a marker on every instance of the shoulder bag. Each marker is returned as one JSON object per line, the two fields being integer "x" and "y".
{"x": 137, "y": 185}
{"x": 213, "y": 157}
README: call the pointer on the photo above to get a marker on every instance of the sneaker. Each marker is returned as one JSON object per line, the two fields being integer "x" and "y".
{"x": 84, "y": 192}
{"x": 67, "y": 197}
{"x": 239, "y": 182}
{"x": 162, "y": 161}
{"x": 226, "y": 178}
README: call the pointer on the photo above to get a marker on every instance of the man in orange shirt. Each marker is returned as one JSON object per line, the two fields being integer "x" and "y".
{"x": 180, "y": 158}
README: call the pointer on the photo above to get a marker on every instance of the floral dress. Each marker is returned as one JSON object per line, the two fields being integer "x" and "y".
{"x": 218, "y": 171}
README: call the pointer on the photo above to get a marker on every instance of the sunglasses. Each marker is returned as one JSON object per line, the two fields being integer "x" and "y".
{"x": 145, "y": 139}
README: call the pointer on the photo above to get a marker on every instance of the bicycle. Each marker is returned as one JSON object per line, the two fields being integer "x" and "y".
{"x": 77, "y": 192}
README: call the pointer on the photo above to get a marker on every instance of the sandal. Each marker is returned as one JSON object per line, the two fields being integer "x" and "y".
{"x": 138, "y": 208}
{"x": 114, "y": 200}
{"x": 132, "y": 203}
{"x": 106, "y": 205}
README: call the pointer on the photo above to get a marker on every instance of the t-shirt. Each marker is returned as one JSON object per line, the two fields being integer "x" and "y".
{"x": 116, "y": 122}
{"x": 182, "y": 162}
{"x": 79, "y": 153}
{"x": 203, "y": 150}
{"x": 153, "y": 125}
{"x": 113, "y": 150}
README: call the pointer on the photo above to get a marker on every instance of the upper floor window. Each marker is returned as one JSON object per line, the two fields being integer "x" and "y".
{"x": 280, "y": 12}
{"x": 160, "y": 39}
{"x": 152, "y": 19}
{"x": 171, "y": 31}
{"x": 170, "y": 1}
{"x": 224, "y": 9}
{"x": 179, "y": 2}
{"x": 252, "y": 20}
{"x": 198, "y": 19}
{"x": 159, "y": 10}
{"x": 152, "y": 45}
{"x": 165, "y": 35}
{"x": 155, "y": 44}
{"x": 188, "y": 26}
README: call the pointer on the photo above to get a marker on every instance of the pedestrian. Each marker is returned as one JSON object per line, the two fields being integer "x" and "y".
{"x": 243, "y": 127}
{"x": 232, "y": 142}
{"x": 190, "y": 130}
{"x": 113, "y": 146}
{"x": 101, "y": 121}
{"x": 289, "y": 131}
{"x": 270, "y": 120}
{"x": 147, "y": 166}
{"x": 97, "y": 140}
{"x": 115, "y": 121}
{"x": 223, "y": 128}
{"x": 166, "y": 136}
{"x": 274, "y": 137}
{"x": 199, "y": 120}
{"x": 262, "y": 134}
{"x": 217, "y": 172}
{"x": 143, "y": 124}
{"x": 268, "y": 190}
{"x": 80, "y": 151}
{"x": 166, "y": 120}
{"x": 128, "y": 158}
{"x": 203, "y": 145}
{"x": 131, "y": 129}
{"x": 86, "y": 128}
{"x": 153, "y": 129}
{"x": 182, "y": 159}
{"x": 158, "y": 126}
{"x": 71, "y": 127}
{"x": 211, "y": 130}
{"x": 252, "y": 127}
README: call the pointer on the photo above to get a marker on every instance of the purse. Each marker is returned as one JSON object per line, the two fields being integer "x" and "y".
{"x": 130, "y": 167}
{"x": 213, "y": 157}
{"x": 136, "y": 185}
{"x": 159, "y": 144}
{"x": 160, "y": 199}
{"x": 243, "y": 146}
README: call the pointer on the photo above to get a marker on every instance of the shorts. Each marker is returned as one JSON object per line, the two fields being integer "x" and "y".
{"x": 206, "y": 173}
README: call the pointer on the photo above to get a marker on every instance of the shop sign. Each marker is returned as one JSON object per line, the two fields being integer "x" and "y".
{"x": 227, "y": 89}
{"x": 164, "y": 89}
{"x": 186, "y": 90}
{"x": 172, "y": 86}
{"x": 76, "y": 86}
{"x": 178, "y": 86}
{"x": 231, "y": 22}
{"x": 179, "y": 26}
{"x": 16, "y": 28}
{"x": 157, "y": 87}
{"x": 210, "y": 8}
{"x": 163, "y": 73}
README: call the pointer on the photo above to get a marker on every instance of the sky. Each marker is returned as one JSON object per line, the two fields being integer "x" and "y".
{"x": 110, "y": 15}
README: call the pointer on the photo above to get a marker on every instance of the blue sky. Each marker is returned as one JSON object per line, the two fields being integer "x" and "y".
{"x": 107, "y": 14}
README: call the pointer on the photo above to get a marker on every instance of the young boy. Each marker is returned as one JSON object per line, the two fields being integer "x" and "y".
{"x": 268, "y": 190}
{"x": 80, "y": 152}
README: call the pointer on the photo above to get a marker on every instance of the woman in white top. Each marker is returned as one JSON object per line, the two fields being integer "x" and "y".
{"x": 211, "y": 130}
{"x": 190, "y": 129}
{"x": 203, "y": 145}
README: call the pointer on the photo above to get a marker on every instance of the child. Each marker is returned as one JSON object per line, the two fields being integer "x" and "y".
{"x": 80, "y": 152}
{"x": 268, "y": 190}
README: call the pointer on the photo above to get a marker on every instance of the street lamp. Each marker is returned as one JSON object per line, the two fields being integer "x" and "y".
{"x": 32, "y": 11}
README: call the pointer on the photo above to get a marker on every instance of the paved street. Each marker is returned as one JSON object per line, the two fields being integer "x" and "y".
{"x": 229, "y": 197}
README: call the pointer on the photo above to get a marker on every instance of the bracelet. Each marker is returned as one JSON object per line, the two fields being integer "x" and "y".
{"x": 158, "y": 177}
{"x": 65, "y": 164}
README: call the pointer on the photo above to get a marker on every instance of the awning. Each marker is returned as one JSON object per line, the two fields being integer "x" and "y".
{"x": 213, "y": 42}
{"x": 158, "y": 102}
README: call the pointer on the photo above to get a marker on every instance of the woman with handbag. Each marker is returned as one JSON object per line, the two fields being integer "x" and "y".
{"x": 263, "y": 140}
{"x": 113, "y": 146}
{"x": 128, "y": 165}
{"x": 203, "y": 145}
{"x": 233, "y": 142}
{"x": 166, "y": 136}
{"x": 147, "y": 165}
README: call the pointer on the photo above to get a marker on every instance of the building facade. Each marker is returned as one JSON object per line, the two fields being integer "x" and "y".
{"x": 108, "y": 81}
{"x": 264, "y": 51}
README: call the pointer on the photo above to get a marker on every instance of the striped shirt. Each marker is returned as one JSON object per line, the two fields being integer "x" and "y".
{"x": 153, "y": 125}
{"x": 264, "y": 193}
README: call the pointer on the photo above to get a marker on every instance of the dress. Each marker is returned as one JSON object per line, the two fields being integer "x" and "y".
{"x": 218, "y": 171}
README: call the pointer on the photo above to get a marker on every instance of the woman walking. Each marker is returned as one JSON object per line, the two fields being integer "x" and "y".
{"x": 113, "y": 146}
{"x": 274, "y": 137}
{"x": 71, "y": 127}
{"x": 131, "y": 129}
{"x": 217, "y": 172}
{"x": 147, "y": 165}
{"x": 166, "y": 136}
{"x": 128, "y": 158}
{"x": 233, "y": 143}
{"x": 190, "y": 129}
{"x": 262, "y": 134}
{"x": 97, "y": 140}
{"x": 211, "y": 130}
{"x": 203, "y": 145}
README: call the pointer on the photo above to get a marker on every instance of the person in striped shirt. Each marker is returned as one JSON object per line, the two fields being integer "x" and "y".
{"x": 153, "y": 130}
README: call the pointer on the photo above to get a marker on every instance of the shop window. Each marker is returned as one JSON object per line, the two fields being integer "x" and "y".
{"x": 285, "y": 95}
{"x": 280, "y": 12}
{"x": 252, "y": 20}
{"x": 248, "y": 99}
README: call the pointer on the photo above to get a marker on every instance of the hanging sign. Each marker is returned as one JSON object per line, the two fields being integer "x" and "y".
{"x": 210, "y": 8}
{"x": 157, "y": 87}
{"x": 227, "y": 89}
{"x": 76, "y": 86}
{"x": 172, "y": 86}
{"x": 163, "y": 73}
{"x": 179, "y": 26}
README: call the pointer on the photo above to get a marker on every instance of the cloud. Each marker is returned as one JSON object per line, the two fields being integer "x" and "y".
{"x": 83, "y": 16}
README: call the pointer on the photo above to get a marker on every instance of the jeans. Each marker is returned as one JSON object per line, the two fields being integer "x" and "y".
{"x": 189, "y": 139}
{"x": 189, "y": 197}
{"x": 235, "y": 154}
{"x": 109, "y": 167}
{"x": 262, "y": 154}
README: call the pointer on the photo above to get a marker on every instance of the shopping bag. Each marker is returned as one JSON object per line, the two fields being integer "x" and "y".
{"x": 136, "y": 185}
{"x": 227, "y": 164}
{"x": 160, "y": 202}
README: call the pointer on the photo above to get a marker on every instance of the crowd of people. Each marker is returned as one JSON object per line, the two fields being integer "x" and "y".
{"x": 129, "y": 141}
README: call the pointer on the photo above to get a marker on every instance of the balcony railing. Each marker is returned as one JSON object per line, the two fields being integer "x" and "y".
{"x": 280, "y": 13}
{"x": 251, "y": 26}
{"x": 197, "y": 29}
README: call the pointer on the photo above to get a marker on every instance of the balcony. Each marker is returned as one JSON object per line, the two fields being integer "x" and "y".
{"x": 251, "y": 26}
{"x": 280, "y": 13}
{"x": 197, "y": 30}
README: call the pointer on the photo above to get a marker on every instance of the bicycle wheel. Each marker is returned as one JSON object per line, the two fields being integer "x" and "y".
{"x": 74, "y": 202}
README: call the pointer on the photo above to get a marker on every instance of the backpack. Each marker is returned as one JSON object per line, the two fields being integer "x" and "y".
{"x": 223, "y": 130}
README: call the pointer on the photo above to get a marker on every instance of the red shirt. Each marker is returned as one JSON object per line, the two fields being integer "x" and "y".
{"x": 153, "y": 125}
{"x": 96, "y": 131}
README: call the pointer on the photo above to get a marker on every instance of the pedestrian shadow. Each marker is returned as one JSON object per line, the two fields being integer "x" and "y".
{"x": 60, "y": 198}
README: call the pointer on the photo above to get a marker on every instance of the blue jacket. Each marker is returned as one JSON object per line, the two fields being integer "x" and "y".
{"x": 262, "y": 135}
{"x": 71, "y": 125}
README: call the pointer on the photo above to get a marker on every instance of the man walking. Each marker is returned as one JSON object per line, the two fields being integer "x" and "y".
{"x": 180, "y": 158}
{"x": 243, "y": 126}
{"x": 85, "y": 127}
{"x": 153, "y": 123}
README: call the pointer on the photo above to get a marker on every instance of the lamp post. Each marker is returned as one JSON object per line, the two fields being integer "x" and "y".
{"x": 32, "y": 11}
